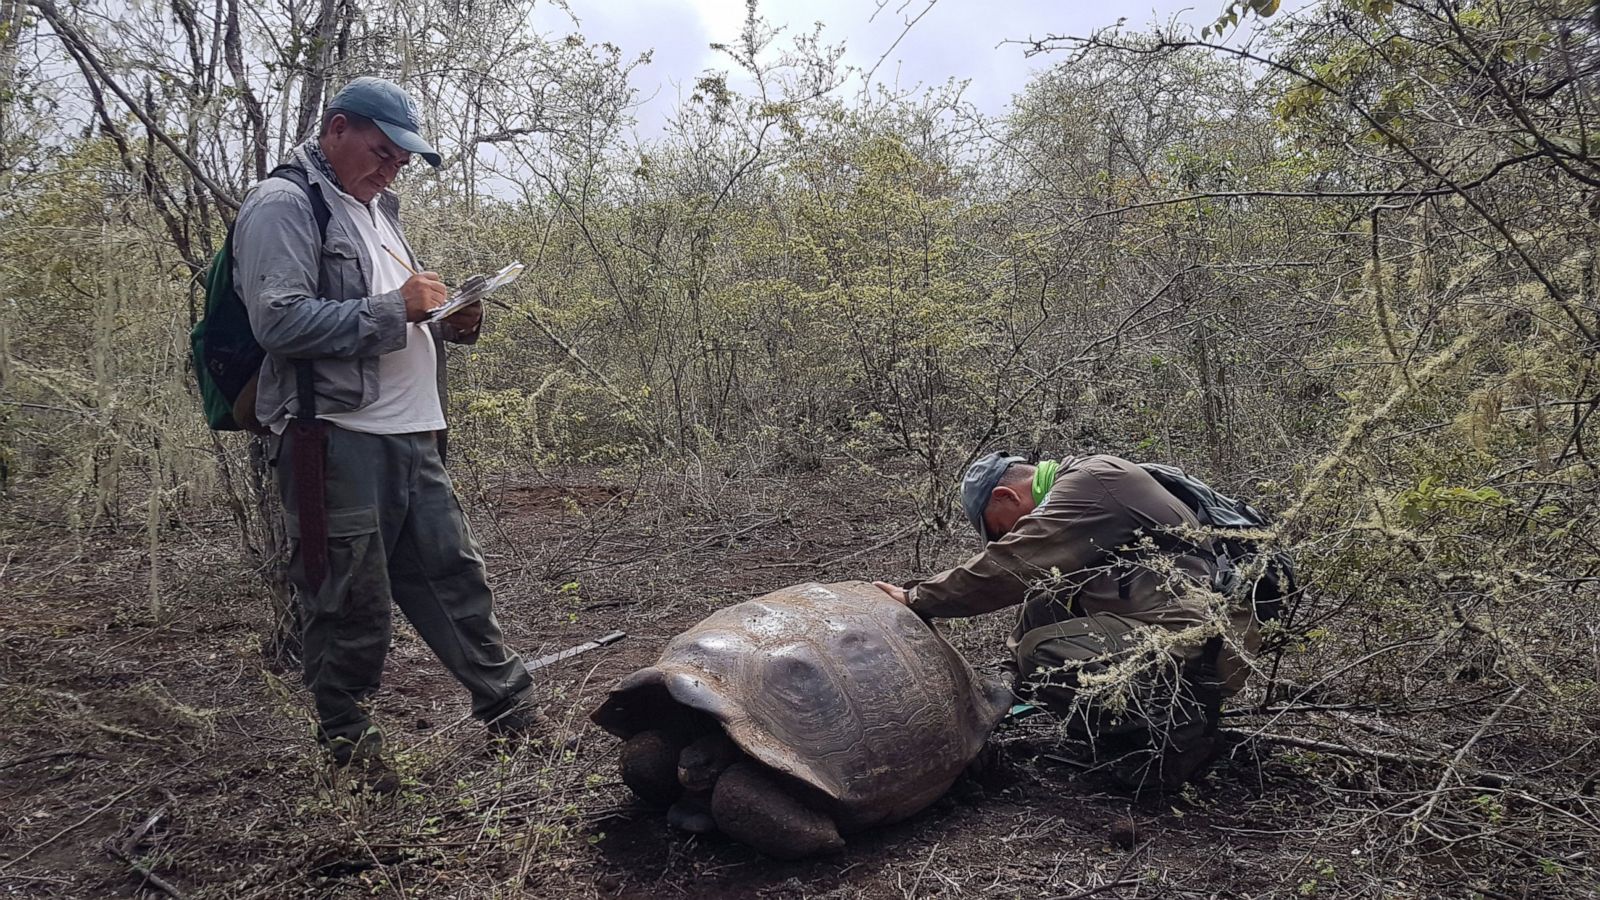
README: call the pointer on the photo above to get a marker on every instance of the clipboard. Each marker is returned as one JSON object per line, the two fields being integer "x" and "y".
{"x": 474, "y": 289}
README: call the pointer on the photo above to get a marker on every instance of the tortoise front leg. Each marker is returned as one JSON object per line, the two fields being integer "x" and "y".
{"x": 699, "y": 766}
{"x": 752, "y": 808}
{"x": 649, "y": 764}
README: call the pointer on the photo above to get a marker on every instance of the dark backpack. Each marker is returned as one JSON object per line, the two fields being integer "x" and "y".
{"x": 226, "y": 355}
{"x": 1235, "y": 556}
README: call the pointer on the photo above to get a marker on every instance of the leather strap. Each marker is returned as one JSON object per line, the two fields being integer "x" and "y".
{"x": 310, "y": 436}
{"x": 310, "y": 473}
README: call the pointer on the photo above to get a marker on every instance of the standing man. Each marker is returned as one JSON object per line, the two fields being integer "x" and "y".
{"x": 353, "y": 385}
{"x": 1115, "y": 634}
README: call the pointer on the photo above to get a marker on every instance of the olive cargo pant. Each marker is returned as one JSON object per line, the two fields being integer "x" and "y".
{"x": 395, "y": 530}
{"x": 1170, "y": 709}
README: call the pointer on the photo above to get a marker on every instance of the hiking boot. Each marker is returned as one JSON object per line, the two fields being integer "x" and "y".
{"x": 522, "y": 722}
{"x": 1166, "y": 771}
{"x": 369, "y": 772}
{"x": 360, "y": 763}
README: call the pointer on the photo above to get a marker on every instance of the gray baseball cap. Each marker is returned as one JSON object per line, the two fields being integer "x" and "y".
{"x": 382, "y": 101}
{"x": 979, "y": 483}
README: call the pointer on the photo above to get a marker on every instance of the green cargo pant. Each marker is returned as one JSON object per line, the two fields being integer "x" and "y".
{"x": 1169, "y": 710}
{"x": 395, "y": 530}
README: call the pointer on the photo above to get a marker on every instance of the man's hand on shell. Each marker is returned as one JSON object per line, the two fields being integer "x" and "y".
{"x": 898, "y": 594}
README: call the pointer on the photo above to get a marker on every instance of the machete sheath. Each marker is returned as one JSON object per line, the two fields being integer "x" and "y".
{"x": 310, "y": 442}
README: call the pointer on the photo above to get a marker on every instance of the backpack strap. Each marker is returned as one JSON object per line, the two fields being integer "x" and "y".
{"x": 305, "y": 385}
{"x": 319, "y": 204}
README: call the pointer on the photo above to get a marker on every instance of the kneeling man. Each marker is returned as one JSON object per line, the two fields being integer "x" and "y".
{"x": 1118, "y": 633}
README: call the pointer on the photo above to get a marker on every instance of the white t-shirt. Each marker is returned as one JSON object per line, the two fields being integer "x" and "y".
{"x": 408, "y": 386}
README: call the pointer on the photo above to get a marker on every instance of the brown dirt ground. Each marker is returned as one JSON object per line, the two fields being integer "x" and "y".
{"x": 113, "y": 715}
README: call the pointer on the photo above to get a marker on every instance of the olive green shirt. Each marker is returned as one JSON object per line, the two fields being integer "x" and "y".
{"x": 1062, "y": 559}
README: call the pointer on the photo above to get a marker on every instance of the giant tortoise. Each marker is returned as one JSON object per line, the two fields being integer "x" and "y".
{"x": 810, "y": 712}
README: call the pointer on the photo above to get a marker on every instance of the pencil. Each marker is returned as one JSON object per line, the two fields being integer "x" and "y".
{"x": 399, "y": 260}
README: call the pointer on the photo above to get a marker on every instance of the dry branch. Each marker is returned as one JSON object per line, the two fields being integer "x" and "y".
{"x": 1481, "y": 776}
{"x": 128, "y": 849}
{"x": 1455, "y": 764}
{"x": 67, "y": 32}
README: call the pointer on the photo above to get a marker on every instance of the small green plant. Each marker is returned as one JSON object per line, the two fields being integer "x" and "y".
{"x": 1429, "y": 497}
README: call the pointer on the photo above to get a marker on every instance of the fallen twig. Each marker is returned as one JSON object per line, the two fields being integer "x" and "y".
{"x": 129, "y": 847}
{"x": 1118, "y": 880}
{"x": 1454, "y": 766}
{"x": 48, "y": 754}
{"x": 119, "y": 731}
{"x": 150, "y": 877}
{"x": 932, "y": 851}
{"x": 1482, "y": 777}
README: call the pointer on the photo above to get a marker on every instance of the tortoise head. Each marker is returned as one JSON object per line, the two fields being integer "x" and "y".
{"x": 703, "y": 762}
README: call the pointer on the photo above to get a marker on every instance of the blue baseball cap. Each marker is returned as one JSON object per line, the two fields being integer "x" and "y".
{"x": 979, "y": 483}
{"x": 391, "y": 109}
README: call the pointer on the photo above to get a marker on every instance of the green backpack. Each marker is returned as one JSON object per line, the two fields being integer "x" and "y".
{"x": 226, "y": 355}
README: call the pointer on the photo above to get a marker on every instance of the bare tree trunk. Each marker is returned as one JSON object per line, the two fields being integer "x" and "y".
{"x": 10, "y": 35}
{"x": 241, "y": 81}
{"x": 322, "y": 41}
{"x": 1209, "y": 368}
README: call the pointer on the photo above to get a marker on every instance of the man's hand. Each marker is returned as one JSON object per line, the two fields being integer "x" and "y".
{"x": 466, "y": 319}
{"x": 899, "y": 594}
{"x": 422, "y": 293}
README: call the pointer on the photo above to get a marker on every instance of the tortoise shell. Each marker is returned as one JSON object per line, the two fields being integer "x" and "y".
{"x": 846, "y": 693}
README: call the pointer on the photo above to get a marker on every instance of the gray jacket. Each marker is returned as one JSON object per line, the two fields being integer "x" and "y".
{"x": 308, "y": 299}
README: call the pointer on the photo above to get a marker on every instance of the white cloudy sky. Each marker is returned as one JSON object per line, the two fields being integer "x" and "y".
{"x": 962, "y": 39}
